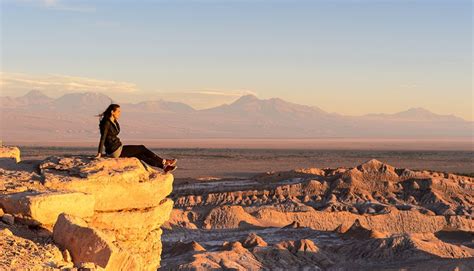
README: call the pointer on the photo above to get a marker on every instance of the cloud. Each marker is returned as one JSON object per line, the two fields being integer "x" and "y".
{"x": 14, "y": 84}
{"x": 55, "y": 85}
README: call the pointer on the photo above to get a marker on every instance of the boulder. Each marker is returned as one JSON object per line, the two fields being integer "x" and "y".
{"x": 116, "y": 183}
{"x": 90, "y": 245}
{"x": 43, "y": 208}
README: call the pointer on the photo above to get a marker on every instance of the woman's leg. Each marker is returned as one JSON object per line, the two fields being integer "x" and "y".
{"x": 142, "y": 153}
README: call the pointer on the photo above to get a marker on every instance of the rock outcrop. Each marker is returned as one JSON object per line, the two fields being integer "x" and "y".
{"x": 338, "y": 219}
{"x": 42, "y": 208}
{"x": 7, "y": 152}
{"x": 104, "y": 212}
{"x": 381, "y": 197}
{"x": 256, "y": 255}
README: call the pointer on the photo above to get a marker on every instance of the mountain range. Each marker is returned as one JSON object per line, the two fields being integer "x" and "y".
{"x": 37, "y": 117}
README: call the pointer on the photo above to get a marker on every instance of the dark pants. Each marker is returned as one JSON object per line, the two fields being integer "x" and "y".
{"x": 143, "y": 153}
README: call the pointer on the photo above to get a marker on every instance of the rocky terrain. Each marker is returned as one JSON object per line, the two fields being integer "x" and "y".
{"x": 66, "y": 212}
{"x": 69, "y": 212}
{"x": 371, "y": 217}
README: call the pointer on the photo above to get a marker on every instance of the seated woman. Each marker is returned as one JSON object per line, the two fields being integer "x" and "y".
{"x": 110, "y": 128}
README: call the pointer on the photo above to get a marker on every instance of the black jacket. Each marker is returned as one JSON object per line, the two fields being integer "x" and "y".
{"x": 108, "y": 136}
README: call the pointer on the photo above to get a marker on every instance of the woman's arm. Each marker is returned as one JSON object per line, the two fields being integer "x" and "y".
{"x": 103, "y": 135}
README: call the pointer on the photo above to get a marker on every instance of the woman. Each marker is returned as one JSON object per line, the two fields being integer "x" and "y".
{"x": 109, "y": 129}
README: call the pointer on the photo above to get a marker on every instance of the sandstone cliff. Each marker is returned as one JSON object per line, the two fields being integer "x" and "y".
{"x": 105, "y": 213}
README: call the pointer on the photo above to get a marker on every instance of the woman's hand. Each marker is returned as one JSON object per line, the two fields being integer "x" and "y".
{"x": 98, "y": 155}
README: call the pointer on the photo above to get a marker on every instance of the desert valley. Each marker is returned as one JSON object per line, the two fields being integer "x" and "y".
{"x": 67, "y": 212}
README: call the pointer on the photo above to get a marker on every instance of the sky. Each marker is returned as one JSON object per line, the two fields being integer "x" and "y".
{"x": 348, "y": 56}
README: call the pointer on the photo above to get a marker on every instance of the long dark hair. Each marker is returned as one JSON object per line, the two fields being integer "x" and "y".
{"x": 107, "y": 113}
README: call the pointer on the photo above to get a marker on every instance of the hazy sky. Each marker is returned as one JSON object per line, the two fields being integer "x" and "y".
{"x": 346, "y": 56}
